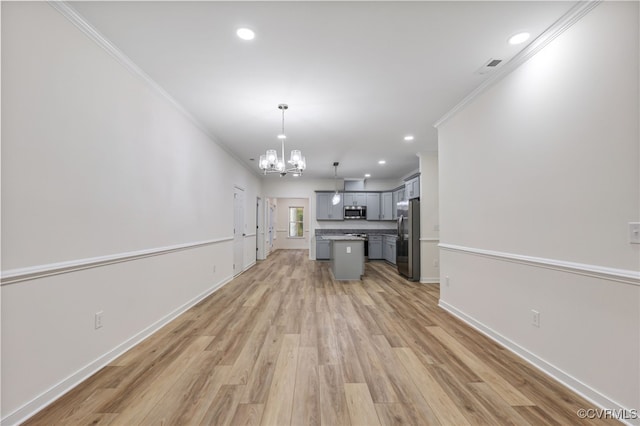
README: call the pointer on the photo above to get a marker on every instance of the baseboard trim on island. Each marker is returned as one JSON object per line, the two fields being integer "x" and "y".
{"x": 429, "y": 280}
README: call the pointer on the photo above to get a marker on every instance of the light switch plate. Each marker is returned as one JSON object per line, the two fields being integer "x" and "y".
{"x": 634, "y": 232}
{"x": 348, "y": 249}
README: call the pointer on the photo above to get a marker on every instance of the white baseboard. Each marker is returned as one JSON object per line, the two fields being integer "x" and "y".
{"x": 587, "y": 392}
{"x": 430, "y": 280}
{"x": 58, "y": 390}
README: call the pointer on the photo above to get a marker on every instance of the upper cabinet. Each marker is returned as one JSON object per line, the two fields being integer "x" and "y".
{"x": 387, "y": 206}
{"x": 412, "y": 188}
{"x": 355, "y": 199}
{"x": 373, "y": 206}
{"x": 380, "y": 205}
{"x": 398, "y": 195}
{"x": 325, "y": 210}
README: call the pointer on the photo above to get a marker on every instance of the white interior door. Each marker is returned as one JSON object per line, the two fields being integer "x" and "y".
{"x": 272, "y": 234}
{"x": 268, "y": 226}
{"x": 238, "y": 230}
{"x": 259, "y": 230}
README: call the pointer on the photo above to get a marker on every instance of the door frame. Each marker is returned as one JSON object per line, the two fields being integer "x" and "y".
{"x": 238, "y": 230}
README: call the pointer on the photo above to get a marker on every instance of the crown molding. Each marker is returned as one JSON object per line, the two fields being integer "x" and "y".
{"x": 90, "y": 31}
{"x": 577, "y": 12}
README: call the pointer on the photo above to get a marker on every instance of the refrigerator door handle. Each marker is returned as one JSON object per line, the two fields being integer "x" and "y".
{"x": 400, "y": 228}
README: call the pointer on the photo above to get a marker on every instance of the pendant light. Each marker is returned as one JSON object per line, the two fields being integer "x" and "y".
{"x": 335, "y": 200}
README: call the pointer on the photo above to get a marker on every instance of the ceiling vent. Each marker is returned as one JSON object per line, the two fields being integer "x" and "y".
{"x": 489, "y": 66}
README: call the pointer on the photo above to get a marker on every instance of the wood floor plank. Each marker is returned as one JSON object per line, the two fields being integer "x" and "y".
{"x": 497, "y": 382}
{"x": 462, "y": 397}
{"x": 306, "y": 398}
{"x": 333, "y": 404}
{"x": 397, "y": 414}
{"x": 189, "y": 399}
{"x": 373, "y": 368}
{"x": 501, "y": 410}
{"x": 347, "y": 353}
{"x": 145, "y": 399}
{"x": 248, "y": 415}
{"x": 327, "y": 343}
{"x": 255, "y": 298}
{"x": 277, "y": 410}
{"x": 286, "y": 344}
{"x": 259, "y": 380}
{"x": 246, "y": 359}
{"x": 403, "y": 385}
{"x": 361, "y": 409}
{"x": 223, "y": 407}
{"x": 443, "y": 407}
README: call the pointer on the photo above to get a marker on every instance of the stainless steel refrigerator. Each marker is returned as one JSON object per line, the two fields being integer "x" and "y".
{"x": 408, "y": 245}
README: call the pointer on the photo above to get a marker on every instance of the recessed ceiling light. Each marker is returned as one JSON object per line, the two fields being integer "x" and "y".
{"x": 367, "y": 175}
{"x": 408, "y": 138}
{"x": 382, "y": 162}
{"x": 245, "y": 34}
{"x": 519, "y": 38}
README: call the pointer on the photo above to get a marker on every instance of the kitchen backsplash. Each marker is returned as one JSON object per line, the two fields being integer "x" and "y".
{"x": 368, "y": 231}
{"x": 348, "y": 226}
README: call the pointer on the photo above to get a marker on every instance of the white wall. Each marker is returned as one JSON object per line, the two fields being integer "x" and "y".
{"x": 112, "y": 199}
{"x": 429, "y": 219}
{"x": 539, "y": 177}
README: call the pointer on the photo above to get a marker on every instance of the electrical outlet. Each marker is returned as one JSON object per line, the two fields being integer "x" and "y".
{"x": 98, "y": 320}
{"x": 535, "y": 318}
{"x": 436, "y": 263}
{"x": 634, "y": 232}
{"x": 446, "y": 281}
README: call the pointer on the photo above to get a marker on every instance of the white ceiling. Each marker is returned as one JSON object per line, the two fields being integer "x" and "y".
{"x": 358, "y": 76}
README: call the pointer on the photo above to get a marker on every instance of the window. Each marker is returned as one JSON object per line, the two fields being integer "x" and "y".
{"x": 296, "y": 219}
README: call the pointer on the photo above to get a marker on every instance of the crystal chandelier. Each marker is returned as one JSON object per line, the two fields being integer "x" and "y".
{"x": 270, "y": 163}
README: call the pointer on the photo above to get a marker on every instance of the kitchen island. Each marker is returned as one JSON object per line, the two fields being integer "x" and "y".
{"x": 347, "y": 256}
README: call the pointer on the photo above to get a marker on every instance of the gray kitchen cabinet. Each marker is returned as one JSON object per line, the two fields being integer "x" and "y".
{"x": 355, "y": 199}
{"x": 398, "y": 195}
{"x": 412, "y": 188}
{"x": 402, "y": 194}
{"x": 325, "y": 210}
{"x": 394, "y": 210}
{"x": 386, "y": 206}
{"x": 389, "y": 248}
{"x": 323, "y": 249}
{"x": 373, "y": 206}
{"x": 375, "y": 247}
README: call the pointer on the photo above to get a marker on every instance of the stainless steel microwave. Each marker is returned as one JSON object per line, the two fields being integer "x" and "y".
{"x": 355, "y": 212}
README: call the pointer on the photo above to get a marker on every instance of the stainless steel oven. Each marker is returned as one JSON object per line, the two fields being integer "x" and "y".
{"x": 355, "y": 212}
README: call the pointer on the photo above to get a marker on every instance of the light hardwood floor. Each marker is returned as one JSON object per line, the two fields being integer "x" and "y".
{"x": 285, "y": 344}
